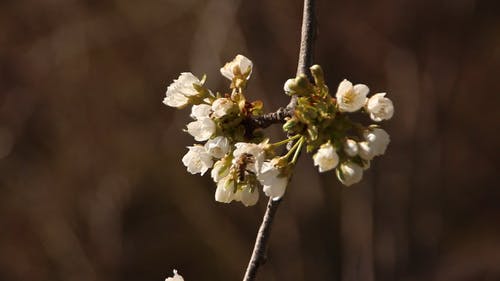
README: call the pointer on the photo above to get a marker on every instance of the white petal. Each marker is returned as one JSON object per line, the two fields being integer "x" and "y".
{"x": 224, "y": 192}
{"x": 201, "y": 129}
{"x": 245, "y": 65}
{"x": 240, "y": 65}
{"x": 343, "y": 88}
{"x": 220, "y": 170}
{"x": 249, "y": 198}
{"x": 362, "y": 90}
{"x": 176, "y": 100}
{"x": 277, "y": 188}
{"x": 200, "y": 111}
{"x": 351, "y": 99}
{"x": 185, "y": 82}
{"x": 197, "y": 160}
{"x": 222, "y": 106}
{"x": 326, "y": 158}
{"x": 227, "y": 72}
{"x": 218, "y": 146}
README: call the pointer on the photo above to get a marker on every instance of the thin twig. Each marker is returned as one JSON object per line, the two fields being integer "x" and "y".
{"x": 259, "y": 254}
{"x": 308, "y": 34}
{"x": 305, "y": 60}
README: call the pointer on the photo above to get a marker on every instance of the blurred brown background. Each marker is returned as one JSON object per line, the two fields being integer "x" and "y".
{"x": 91, "y": 181}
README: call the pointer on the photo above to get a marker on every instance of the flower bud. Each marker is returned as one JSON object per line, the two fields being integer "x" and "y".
{"x": 176, "y": 277}
{"x": 238, "y": 71}
{"x": 351, "y": 147}
{"x": 248, "y": 196}
{"x": 379, "y": 107}
{"x": 317, "y": 74}
{"x": 349, "y": 173}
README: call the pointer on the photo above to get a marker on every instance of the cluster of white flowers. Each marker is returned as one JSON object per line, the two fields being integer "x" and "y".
{"x": 243, "y": 161}
{"x": 350, "y": 172}
{"x": 239, "y": 165}
{"x": 328, "y": 132}
{"x": 375, "y": 140}
{"x": 352, "y": 98}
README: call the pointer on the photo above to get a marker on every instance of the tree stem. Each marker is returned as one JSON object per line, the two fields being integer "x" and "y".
{"x": 305, "y": 61}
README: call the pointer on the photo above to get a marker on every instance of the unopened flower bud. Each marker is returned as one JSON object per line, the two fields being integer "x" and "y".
{"x": 349, "y": 173}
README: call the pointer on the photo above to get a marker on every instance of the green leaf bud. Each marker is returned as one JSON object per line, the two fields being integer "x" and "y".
{"x": 317, "y": 74}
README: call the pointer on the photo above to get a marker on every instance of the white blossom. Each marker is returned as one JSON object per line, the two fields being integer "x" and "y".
{"x": 288, "y": 83}
{"x": 379, "y": 107}
{"x": 256, "y": 152}
{"x": 181, "y": 89}
{"x": 218, "y": 146}
{"x": 239, "y": 67}
{"x": 379, "y": 140}
{"x": 199, "y": 111}
{"x": 351, "y": 98}
{"x": 222, "y": 106}
{"x": 220, "y": 169}
{"x": 326, "y": 158}
{"x": 349, "y": 173}
{"x": 201, "y": 129}
{"x": 274, "y": 185}
{"x": 248, "y": 196}
{"x": 197, "y": 160}
{"x": 176, "y": 277}
{"x": 365, "y": 150}
{"x": 375, "y": 144}
{"x": 224, "y": 192}
{"x": 351, "y": 147}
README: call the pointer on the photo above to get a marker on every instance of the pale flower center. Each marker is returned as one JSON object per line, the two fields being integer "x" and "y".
{"x": 216, "y": 150}
{"x": 328, "y": 161}
{"x": 348, "y": 97}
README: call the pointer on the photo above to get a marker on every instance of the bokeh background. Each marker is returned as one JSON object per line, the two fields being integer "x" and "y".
{"x": 91, "y": 181}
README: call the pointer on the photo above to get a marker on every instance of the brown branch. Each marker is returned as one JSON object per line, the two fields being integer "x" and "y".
{"x": 305, "y": 60}
{"x": 259, "y": 255}
{"x": 308, "y": 34}
{"x": 266, "y": 120}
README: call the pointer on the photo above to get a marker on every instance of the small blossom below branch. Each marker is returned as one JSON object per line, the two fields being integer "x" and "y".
{"x": 176, "y": 277}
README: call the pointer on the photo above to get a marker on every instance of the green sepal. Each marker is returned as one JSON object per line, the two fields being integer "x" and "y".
{"x": 289, "y": 124}
{"x": 203, "y": 79}
{"x": 312, "y": 132}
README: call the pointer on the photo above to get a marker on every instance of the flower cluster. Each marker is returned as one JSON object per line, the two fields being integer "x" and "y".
{"x": 243, "y": 160}
{"x": 240, "y": 158}
{"x": 338, "y": 142}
